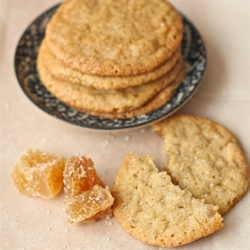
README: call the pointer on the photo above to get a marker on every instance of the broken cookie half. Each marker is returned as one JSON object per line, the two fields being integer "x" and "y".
{"x": 154, "y": 210}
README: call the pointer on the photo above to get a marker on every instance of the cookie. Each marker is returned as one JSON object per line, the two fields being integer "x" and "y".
{"x": 85, "y": 97}
{"x": 156, "y": 102}
{"x": 154, "y": 210}
{"x": 61, "y": 71}
{"x": 204, "y": 158}
{"x": 114, "y": 38}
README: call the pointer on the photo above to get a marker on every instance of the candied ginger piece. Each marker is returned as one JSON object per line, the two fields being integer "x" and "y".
{"x": 80, "y": 175}
{"x": 39, "y": 173}
{"x": 89, "y": 205}
{"x": 87, "y": 197}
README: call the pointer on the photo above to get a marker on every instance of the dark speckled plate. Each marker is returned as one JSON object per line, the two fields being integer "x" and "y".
{"x": 193, "y": 51}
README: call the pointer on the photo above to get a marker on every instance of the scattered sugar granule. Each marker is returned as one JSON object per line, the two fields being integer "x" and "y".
{"x": 106, "y": 143}
{"x": 127, "y": 138}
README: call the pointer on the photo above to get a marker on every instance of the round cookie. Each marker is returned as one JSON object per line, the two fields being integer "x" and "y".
{"x": 85, "y": 97}
{"x": 61, "y": 71}
{"x": 204, "y": 158}
{"x": 154, "y": 210}
{"x": 155, "y": 103}
{"x": 114, "y": 38}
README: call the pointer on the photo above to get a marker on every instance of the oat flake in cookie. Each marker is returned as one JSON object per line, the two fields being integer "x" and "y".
{"x": 114, "y": 37}
{"x": 154, "y": 210}
{"x": 204, "y": 158}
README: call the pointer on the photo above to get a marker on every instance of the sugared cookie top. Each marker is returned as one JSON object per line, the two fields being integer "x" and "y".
{"x": 154, "y": 210}
{"x": 114, "y": 37}
{"x": 205, "y": 158}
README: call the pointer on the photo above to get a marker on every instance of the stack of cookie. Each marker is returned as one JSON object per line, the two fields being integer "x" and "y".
{"x": 113, "y": 59}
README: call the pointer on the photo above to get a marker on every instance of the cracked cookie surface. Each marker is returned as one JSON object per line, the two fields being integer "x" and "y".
{"x": 154, "y": 210}
{"x": 204, "y": 158}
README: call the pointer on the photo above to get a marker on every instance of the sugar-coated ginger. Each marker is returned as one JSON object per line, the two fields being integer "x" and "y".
{"x": 87, "y": 199}
{"x": 39, "y": 173}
